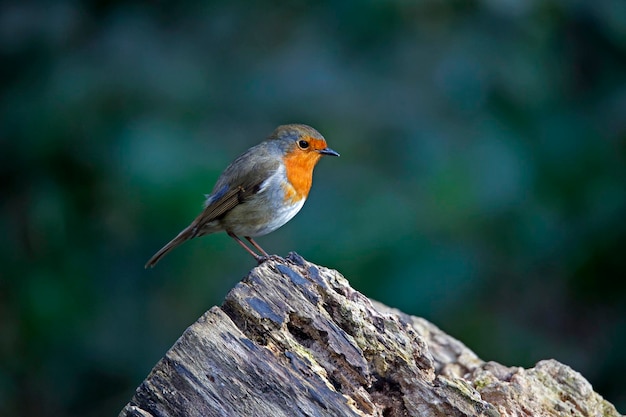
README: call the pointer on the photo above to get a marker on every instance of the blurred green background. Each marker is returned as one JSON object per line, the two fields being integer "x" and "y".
{"x": 482, "y": 182}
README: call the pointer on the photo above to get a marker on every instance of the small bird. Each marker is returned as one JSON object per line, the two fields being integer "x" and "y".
{"x": 259, "y": 191}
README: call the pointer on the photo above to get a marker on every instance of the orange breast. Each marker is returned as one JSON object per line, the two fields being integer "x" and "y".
{"x": 299, "y": 170}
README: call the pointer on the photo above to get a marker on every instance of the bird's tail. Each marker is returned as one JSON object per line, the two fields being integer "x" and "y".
{"x": 189, "y": 232}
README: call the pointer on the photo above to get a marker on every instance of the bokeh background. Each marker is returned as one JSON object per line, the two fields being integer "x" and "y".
{"x": 482, "y": 182}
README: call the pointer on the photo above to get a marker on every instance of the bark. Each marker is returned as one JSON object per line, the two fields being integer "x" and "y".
{"x": 294, "y": 339}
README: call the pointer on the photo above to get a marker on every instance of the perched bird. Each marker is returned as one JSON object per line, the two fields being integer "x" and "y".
{"x": 259, "y": 191}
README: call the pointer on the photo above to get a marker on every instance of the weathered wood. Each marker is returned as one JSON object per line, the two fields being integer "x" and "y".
{"x": 294, "y": 339}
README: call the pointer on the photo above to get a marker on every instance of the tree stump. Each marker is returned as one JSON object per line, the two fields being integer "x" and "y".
{"x": 294, "y": 339}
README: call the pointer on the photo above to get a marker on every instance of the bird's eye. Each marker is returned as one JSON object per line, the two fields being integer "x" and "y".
{"x": 303, "y": 144}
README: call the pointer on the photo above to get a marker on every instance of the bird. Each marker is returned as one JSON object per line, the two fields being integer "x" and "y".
{"x": 259, "y": 191}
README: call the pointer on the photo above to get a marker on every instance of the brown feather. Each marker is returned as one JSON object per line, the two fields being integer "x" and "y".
{"x": 244, "y": 177}
{"x": 212, "y": 212}
{"x": 182, "y": 237}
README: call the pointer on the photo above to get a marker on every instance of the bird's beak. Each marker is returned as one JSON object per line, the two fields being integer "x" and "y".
{"x": 328, "y": 151}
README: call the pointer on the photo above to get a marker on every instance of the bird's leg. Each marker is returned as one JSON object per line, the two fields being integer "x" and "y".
{"x": 256, "y": 256}
{"x": 257, "y": 246}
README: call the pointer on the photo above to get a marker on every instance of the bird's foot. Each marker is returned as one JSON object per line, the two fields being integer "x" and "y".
{"x": 264, "y": 258}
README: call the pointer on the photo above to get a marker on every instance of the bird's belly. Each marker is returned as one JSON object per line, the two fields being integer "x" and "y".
{"x": 257, "y": 218}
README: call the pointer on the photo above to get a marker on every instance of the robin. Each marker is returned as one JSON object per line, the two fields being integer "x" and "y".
{"x": 259, "y": 191}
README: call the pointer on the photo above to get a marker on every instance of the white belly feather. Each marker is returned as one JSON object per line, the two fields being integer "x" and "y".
{"x": 264, "y": 212}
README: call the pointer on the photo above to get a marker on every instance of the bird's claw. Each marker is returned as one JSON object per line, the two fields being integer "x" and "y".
{"x": 264, "y": 258}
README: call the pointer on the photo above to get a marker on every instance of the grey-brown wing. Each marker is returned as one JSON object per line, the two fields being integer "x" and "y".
{"x": 234, "y": 187}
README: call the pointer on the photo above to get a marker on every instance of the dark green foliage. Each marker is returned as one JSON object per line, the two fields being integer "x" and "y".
{"x": 482, "y": 182}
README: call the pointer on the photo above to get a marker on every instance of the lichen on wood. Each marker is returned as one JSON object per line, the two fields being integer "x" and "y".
{"x": 294, "y": 339}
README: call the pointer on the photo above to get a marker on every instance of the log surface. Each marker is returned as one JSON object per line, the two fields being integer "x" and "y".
{"x": 294, "y": 339}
